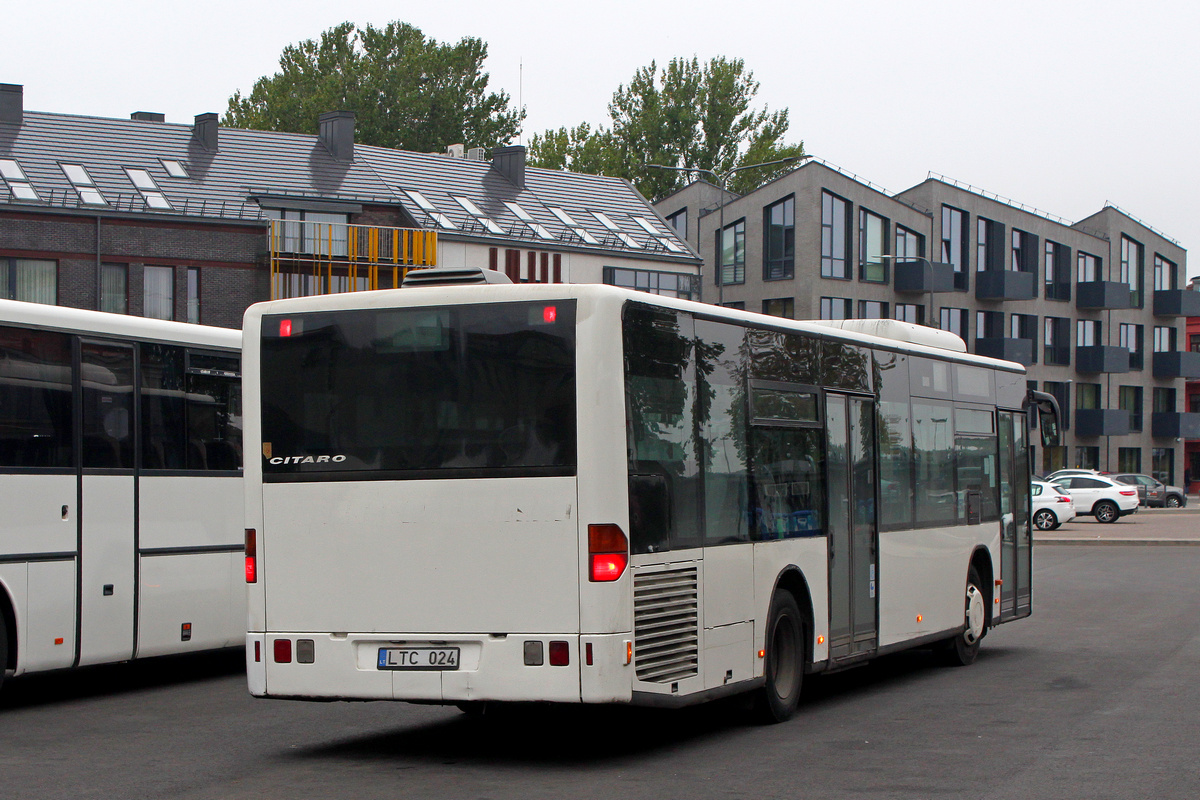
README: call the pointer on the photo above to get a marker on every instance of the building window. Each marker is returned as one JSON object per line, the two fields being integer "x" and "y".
{"x": 309, "y": 232}
{"x": 872, "y": 309}
{"x": 678, "y": 221}
{"x": 780, "y": 307}
{"x": 909, "y": 244}
{"x": 1164, "y": 400}
{"x": 1133, "y": 271}
{"x": 1088, "y": 266}
{"x": 779, "y": 240}
{"x": 955, "y": 321}
{"x": 114, "y": 288}
{"x": 1087, "y": 396}
{"x": 1023, "y": 252}
{"x": 1129, "y": 398}
{"x": 738, "y": 305}
{"x": 954, "y": 245}
{"x": 31, "y": 280}
{"x": 988, "y": 238}
{"x": 667, "y": 284}
{"x": 1162, "y": 460}
{"x": 1129, "y": 459}
{"x": 1088, "y": 333}
{"x": 1062, "y": 393}
{"x": 1194, "y": 342}
{"x": 1164, "y": 339}
{"x": 193, "y": 295}
{"x": 149, "y": 190}
{"x": 158, "y": 284}
{"x": 1024, "y": 326}
{"x": 872, "y": 247}
{"x": 78, "y": 175}
{"x": 732, "y": 245}
{"x": 1057, "y": 271}
{"x": 1166, "y": 276}
{"x": 835, "y": 236}
{"x": 910, "y": 312}
{"x": 836, "y": 308}
{"x": 1056, "y": 341}
{"x": 1087, "y": 457}
{"x": 989, "y": 324}
{"x": 1132, "y": 339}
{"x": 18, "y": 184}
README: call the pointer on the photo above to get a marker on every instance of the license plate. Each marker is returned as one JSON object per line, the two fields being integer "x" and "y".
{"x": 418, "y": 658}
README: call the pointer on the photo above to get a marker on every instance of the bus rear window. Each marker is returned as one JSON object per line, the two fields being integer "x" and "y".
{"x": 482, "y": 390}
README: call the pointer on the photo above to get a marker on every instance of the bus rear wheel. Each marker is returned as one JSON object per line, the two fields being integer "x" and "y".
{"x": 3, "y": 646}
{"x": 784, "y": 667}
{"x": 963, "y": 649}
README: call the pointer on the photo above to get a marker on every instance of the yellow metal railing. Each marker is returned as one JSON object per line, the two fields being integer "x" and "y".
{"x": 313, "y": 258}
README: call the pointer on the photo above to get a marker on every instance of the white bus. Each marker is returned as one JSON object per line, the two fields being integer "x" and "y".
{"x": 584, "y": 494}
{"x": 120, "y": 488}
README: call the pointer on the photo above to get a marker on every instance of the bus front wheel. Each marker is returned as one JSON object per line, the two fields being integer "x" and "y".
{"x": 784, "y": 667}
{"x": 963, "y": 648}
{"x": 3, "y": 646}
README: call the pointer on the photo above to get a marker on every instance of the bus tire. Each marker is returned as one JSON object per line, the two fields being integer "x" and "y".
{"x": 784, "y": 660}
{"x": 3, "y": 640}
{"x": 472, "y": 708}
{"x": 962, "y": 650}
{"x": 1106, "y": 511}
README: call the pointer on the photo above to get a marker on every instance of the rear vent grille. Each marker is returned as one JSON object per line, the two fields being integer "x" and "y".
{"x": 666, "y": 625}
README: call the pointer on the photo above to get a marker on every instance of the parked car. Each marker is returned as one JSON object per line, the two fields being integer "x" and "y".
{"x": 1158, "y": 494}
{"x": 1100, "y": 496}
{"x": 1051, "y": 506}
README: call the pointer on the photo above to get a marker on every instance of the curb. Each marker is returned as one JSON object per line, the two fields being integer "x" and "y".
{"x": 1150, "y": 542}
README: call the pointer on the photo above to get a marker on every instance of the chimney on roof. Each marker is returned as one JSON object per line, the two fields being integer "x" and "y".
{"x": 510, "y": 162}
{"x": 12, "y": 102}
{"x": 148, "y": 116}
{"x": 337, "y": 134}
{"x": 204, "y": 132}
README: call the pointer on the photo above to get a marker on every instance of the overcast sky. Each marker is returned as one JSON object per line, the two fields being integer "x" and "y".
{"x": 1057, "y": 105}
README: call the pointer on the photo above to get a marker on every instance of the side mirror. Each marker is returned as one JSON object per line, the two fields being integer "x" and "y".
{"x": 1046, "y": 406}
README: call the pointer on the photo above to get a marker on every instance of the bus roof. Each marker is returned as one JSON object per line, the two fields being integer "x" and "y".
{"x": 883, "y": 334}
{"x": 40, "y": 315}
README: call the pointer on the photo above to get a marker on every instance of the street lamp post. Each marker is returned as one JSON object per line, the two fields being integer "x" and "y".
{"x": 722, "y": 179}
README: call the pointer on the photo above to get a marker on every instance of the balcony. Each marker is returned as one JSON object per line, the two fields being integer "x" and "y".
{"x": 922, "y": 276}
{"x": 1178, "y": 364}
{"x": 1018, "y": 350}
{"x": 1101, "y": 358}
{"x": 1175, "y": 425}
{"x": 1101, "y": 422}
{"x": 1092, "y": 295}
{"x": 1004, "y": 285}
{"x": 311, "y": 258}
{"x": 1177, "y": 303}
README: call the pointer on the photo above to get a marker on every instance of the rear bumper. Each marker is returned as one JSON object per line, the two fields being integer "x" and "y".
{"x": 491, "y": 668}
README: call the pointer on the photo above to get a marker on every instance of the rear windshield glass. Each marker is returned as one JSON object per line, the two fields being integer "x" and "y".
{"x": 435, "y": 392}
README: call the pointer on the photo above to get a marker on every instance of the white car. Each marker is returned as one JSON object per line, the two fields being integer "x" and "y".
{"x": 1100, "y": 496}
{"x": 1051, "y": 506}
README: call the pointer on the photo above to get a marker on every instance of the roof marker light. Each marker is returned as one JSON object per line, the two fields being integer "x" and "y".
{"x": 285, "y": 327}
{"x": 549, "y": 313}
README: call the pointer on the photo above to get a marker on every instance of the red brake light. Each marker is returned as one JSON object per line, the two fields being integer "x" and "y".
{"x": 609, "y": 552}
{"x": 251, "y": 556}
{"x": 549, "y": 313}
{"x": 283, "y": 651}
{"x": 1128, "y": 492}
{"x": 1062, "y": 498}
{"x": 285, "y": 327}
{"x": 560, "y": 654}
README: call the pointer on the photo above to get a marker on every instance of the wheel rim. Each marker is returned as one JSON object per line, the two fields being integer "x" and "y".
{"x": 1105, "y": 512}
{"x": 1044, "y": 520}
{"x": 1172, "y": 502}
{"x": 784, "y": 668}
{"x": 975, "y": 615}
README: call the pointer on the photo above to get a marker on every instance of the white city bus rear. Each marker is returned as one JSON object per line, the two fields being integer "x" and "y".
{"x": 587, "y": 494}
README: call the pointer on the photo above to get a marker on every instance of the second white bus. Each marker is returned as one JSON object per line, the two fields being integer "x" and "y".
{"x": 583, "y": 494}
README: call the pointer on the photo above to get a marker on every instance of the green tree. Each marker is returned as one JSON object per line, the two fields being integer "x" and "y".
{"x": 407, "y": 91}
{"x": 692, "y": 115}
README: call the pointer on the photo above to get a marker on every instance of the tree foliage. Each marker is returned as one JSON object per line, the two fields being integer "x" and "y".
{"x": 692, "y": 115}
{"x": 406, "y": 91}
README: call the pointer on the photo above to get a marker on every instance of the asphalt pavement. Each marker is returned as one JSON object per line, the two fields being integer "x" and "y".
{"x": 1149, "y": 526}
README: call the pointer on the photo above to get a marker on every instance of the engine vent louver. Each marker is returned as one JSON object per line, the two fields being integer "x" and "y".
{"x": 666, "y": 623}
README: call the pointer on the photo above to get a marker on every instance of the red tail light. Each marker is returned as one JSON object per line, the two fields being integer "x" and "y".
{"x": 283, "y": 651}
{"x": 1129, "y": 492}
{"x": 609, "y": 552}
{"x": 251, "y": 556}
{"x": 1062, "y": 498}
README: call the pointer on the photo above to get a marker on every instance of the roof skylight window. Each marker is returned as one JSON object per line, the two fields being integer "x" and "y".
{"x": 18, "y": 184}
{"x": 605, "y": 221}
{"x": 647, "y": 226}
{"x": 534, "y": 225}
{"x": 628, "y": 240}
{"x": 83, "y": 183}
{"x": 477, "y": 212}
{"x": 430, "y": 209}
{"x": 175, "y": 169}
{"x": 573, "y": 226}
{"x": 149, "y": 189}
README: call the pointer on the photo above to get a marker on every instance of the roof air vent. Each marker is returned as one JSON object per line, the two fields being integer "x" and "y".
{"x": 452, "y": 276}
{"x": 148, "y": 116}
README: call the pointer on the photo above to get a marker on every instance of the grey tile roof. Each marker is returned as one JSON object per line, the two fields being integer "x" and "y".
{"x": 252, "y": 163}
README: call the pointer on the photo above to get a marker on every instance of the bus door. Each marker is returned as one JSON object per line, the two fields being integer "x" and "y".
{"x": 1016, "y": 543}
{"x": 853, "y": 532}
{"x": 107, "y": 500}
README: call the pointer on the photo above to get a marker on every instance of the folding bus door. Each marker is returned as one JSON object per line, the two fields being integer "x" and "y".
{"x": 1016, "y": 537}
